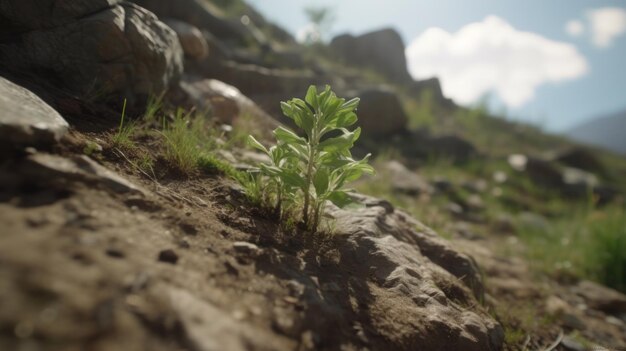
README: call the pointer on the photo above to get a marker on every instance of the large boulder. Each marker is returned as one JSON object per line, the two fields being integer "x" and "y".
{"x": 201, "y": 14}
{"x": 27, "y": 120}
{"x": 421, "y": 289}
{"x": 18, "y": 16}
{"x": 381, "y": 50}
{"x": 99, "y": 50}
{"x": 381, "y": 113}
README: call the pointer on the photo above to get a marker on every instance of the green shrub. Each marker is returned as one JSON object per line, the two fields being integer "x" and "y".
{"x": 308, "y": 171}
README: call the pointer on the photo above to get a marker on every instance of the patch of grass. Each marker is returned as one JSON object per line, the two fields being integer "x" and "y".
{"x": 186, "y": 140}
{"x": 589, "y": 244}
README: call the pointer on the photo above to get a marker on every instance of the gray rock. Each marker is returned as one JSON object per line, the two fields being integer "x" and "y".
{"x": 127, "y": 51}
{"x": 191, "y": 39}
{"x": 381, "y": 50}
{"x": 405, "y": 181}
{"x": 430, "y": 86}
{"x": 201, "y": 14}
{"x": 602, "y": 298}
{"x": 79, "y": 168}
{"x": 380, "y": 111}
{"x": 25, "y": 119}
{"x": 25, "y": 15}
{"x": 409, "y": 262}
{"x": 225, "y": 102}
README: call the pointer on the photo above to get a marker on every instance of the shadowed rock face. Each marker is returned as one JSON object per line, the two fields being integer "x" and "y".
{"x": 380, "y": 112}
{"x": 99, "y": 50}
{"x": 25, "y": 119}
{"x": 381, "y": 50}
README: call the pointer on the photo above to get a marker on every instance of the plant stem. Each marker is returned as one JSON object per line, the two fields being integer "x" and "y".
{"x": 309, "y": 172}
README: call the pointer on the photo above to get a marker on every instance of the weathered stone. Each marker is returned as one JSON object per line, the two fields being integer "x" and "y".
{"x": 381, "y": 113}
{"x": 79, "y": 168}
{"x": 417, "y": 274}
{"x": 25, "y": 15}
{"x": 405, "y": 181}
{"x": 225, "y": 103}
{"x": 191, "y": 39}
{"x": 25, "y": 119}
{"x": 201, "y": 14}
{"x": 602, "y": 298}
{"x": 382, "y": 50}
{"x": 128, "y": 53}
{"x": 431, "y": 87}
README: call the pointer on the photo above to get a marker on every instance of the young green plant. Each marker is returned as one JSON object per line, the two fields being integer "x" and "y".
{"x": 312, "y": 169}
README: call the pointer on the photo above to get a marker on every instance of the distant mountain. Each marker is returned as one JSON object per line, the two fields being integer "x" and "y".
{"x": 607, "y": 131}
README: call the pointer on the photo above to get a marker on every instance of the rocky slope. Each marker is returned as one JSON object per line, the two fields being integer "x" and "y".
{"x": 98, "y": 252}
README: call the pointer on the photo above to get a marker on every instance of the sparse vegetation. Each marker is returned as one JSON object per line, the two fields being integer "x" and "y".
{"x": 586, "y": 243}
{"x": 125, "y": 132}
{"x": 186, "y": 140}
{"x": 311, "y": 170}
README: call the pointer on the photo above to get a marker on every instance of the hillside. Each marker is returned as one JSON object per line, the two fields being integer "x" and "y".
{"x": 604, "y": 131}
{"x": 136, "y": 213}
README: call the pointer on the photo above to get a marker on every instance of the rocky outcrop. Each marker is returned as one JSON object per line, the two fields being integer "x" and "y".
{"x": 382, "y": 51}
{"x": 422, "y": 289}
{"x": 25, "y": 119}
{"x": 381, "y": 113}
{"x": 430, "y": 86}
{"x": 99, "y": 50}
{"x": 201, "y": 14}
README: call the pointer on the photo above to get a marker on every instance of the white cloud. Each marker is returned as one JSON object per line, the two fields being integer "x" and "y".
{"x": 574, "y": 28}
{"x": 492, "y": 56}
{"x": 606, "y": 23}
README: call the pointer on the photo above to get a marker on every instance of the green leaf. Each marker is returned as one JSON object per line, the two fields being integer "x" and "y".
{"x": 340, "y": 198}
{"x": 346, "y": 119}
{"x": 290, "y": 111}
{"x": 286, "y": 136}
{"x": 292, "y": 178}
{"x": 311, "y": 97}
{"x": 344, "y": 141}
{"x": 351, "y": 105}
{"x": 256, "y": 144}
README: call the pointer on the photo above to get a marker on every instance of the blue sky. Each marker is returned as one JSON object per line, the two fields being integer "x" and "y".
{"x": 557, "y": 79}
